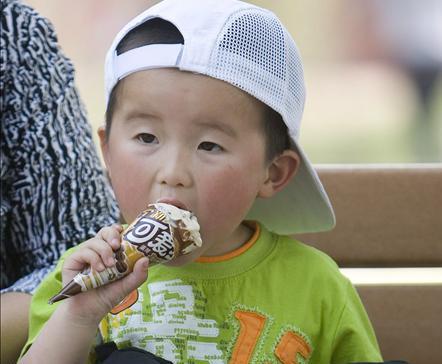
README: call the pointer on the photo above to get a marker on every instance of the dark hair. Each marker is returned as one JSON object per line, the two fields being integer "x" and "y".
{"x": 160, "y": 31}
{"x": 276, "y": 134}
{"x": 153, "y": 31}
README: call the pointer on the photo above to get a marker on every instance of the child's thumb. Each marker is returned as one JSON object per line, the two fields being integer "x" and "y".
{"x": 140, "y": 268}
{"x": 138, "y": 275}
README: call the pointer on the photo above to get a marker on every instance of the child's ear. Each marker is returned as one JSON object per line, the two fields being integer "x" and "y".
{"x": 103, "y": 145}
{"x": 279, "y": 173}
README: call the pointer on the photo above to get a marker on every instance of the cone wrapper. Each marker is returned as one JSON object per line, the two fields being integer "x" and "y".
{"x": 162, "y": 232}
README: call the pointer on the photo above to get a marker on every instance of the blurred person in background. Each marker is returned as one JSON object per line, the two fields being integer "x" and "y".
{"x": 412, "y": 34}
{"x": 408, "y": 35}
{"x": 53, "y": 190}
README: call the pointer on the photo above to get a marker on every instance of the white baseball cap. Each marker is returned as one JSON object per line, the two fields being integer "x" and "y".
{"x": 248, "y": 47}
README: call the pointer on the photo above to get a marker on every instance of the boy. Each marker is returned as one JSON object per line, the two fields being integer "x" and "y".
{"x": 204, "y": 105}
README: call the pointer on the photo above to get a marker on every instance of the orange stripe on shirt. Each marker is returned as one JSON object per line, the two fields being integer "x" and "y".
{"x": 236, "y": 252}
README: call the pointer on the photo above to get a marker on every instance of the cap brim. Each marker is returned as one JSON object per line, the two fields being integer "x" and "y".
{"x": 302, "y": 206}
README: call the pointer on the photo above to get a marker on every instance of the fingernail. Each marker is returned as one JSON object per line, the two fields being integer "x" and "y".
{"x": 145, "y": 264}
{"x": 115, "y": 241}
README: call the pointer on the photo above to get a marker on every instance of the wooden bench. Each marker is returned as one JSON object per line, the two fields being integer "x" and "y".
{"x": 388, "y": 241}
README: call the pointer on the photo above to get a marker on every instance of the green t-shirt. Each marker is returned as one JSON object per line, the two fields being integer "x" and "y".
{"x": 274, "y": 301}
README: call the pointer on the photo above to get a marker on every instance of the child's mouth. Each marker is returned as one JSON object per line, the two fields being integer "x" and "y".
{"x": 174, "y": 202}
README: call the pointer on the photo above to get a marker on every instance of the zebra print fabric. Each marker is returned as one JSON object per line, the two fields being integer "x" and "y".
{"x": 53, "y": 191}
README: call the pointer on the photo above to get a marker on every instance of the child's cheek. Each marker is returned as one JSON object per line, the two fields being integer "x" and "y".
{"x": 228, "y": 196}
{"x": 129, "y": 186}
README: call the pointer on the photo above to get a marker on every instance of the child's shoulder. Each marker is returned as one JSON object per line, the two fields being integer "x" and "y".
{"x": 294, "y": 247}
{"x": 300, "y": 257}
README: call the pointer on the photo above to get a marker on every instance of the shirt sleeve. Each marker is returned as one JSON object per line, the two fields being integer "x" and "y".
{"x": 354, "y": 339}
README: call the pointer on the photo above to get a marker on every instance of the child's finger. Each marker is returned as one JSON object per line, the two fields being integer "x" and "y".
{"x": 103, "y": 249}
{"x": 140, "y": 269}
{"x": 136, "y": 277}
{"x": 111, "y": 234}
{"x": 119, "y": 227}
{"x": 84, "y": 257}
{"x": 112, "y": 294}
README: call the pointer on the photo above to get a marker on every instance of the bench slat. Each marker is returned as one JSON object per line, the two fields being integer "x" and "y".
{"x": 387, "y": 216}
{"x": 407, "y": 320}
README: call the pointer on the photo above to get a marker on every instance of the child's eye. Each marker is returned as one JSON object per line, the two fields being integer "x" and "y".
{"x": 210, "y": 147}
{"x": 147, "y": 138}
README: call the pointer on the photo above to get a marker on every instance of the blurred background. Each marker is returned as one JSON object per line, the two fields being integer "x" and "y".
{"x": 373, "y": 70}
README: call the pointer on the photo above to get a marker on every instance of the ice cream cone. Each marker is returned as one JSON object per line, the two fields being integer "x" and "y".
{"x": 162, "y": 232}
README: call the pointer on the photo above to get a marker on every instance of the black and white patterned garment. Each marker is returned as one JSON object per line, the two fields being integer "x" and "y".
{"x": 53, "y": 191}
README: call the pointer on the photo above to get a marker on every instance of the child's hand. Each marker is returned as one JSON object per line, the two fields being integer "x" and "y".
{"x": 98, "y": 253}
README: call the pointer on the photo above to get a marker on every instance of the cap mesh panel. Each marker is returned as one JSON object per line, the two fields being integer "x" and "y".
{"x": 255, "y": 53}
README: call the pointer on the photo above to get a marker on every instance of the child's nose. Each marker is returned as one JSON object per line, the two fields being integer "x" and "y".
{"x": 175, "y": 170}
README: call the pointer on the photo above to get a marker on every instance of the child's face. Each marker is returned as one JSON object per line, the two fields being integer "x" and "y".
{"x": 192, "y": 141}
